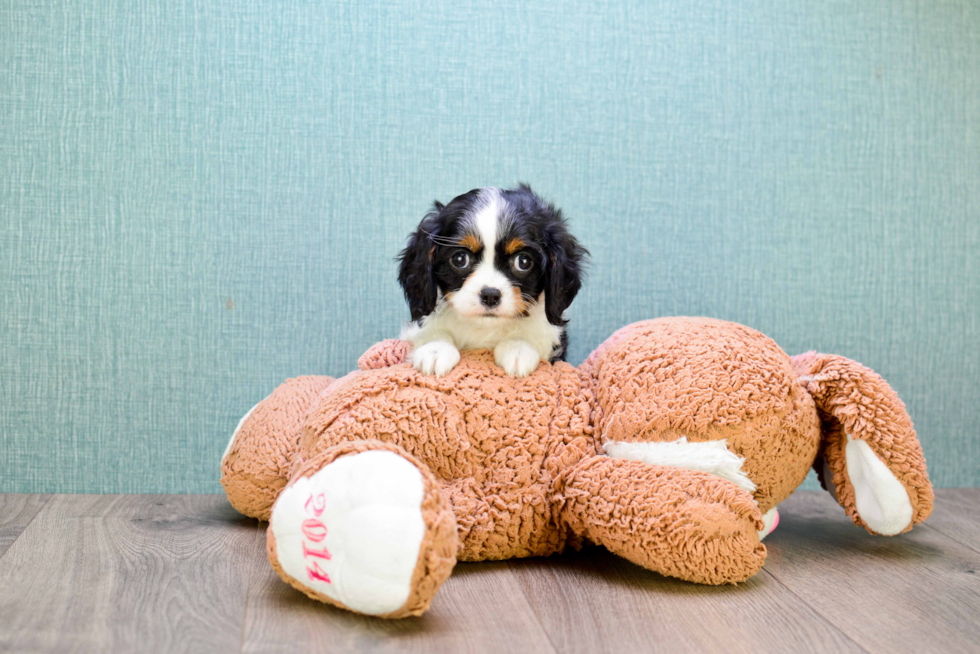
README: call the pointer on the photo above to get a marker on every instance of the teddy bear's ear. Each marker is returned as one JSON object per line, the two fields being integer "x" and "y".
{"x": 871, "y": 458}
{"x": 389, "y": 352}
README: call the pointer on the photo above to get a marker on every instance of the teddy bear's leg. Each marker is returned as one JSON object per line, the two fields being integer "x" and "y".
{"x": 258, "y": 460}
{"x": 678, "y": 522}
{"x": 364, "y": 526}
{"x": 872, "y": 461}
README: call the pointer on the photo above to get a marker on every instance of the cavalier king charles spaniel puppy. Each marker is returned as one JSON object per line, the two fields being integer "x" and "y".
{"x": 493, "y": 269}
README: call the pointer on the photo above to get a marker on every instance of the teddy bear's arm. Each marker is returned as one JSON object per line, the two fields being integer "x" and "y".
{"x": 872, "y": 461}
{"x": 258, "y": 460}
{"x": 680, "y": 523}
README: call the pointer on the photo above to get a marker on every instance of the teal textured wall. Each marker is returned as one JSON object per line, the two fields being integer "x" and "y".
{"x": 199, "y": 199}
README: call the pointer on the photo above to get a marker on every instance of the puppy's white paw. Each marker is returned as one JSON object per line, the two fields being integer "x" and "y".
{"x": 517, "y": 358}
{"x": 435, "y": 358}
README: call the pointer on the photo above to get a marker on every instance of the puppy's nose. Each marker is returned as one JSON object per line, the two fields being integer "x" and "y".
{"x": 490, "y": 297}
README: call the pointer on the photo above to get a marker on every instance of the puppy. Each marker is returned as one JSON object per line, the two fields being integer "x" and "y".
{"x": 493, "y": 269}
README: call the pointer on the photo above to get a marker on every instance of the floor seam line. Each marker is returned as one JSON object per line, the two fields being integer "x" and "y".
{"x": 537, "y": 618}
{"x": 816, "y": 611}
{"x": 952, "y": 538}
{"x": 29, "y": 523}
{"x": 248, "y": 596}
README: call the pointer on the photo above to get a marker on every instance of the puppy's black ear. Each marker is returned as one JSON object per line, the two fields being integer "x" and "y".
{"x": 415, "y": 268}
{"x": 564, "y": 268}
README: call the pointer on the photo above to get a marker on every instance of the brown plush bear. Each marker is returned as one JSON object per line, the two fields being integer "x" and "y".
{"x": 671, "y": 445}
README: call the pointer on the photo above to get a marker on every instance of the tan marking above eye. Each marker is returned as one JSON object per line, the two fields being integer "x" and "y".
{"x": 513, "y": 245}
{"x": 470, "y": 242}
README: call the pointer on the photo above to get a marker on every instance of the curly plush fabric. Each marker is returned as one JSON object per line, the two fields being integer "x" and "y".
{"x": 437, "y": 552}
{"x": 710, "y": 423}
{"x": 708, "y": 380}
{"x": 388, "y": 352}
{"x": 487, "y": 436}
{"x": 854, "y": 400}
{"x": 256, "y": 467}
{"x": 680, "y": 523}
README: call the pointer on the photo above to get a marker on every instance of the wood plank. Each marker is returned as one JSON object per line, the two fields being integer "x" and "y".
{"x": 916, "y": 592}
{"x": 16, "y": 512}
{"x": 957, "y": 515}
{"x": 128, "y": 573}
{"x": 479, "y": 609}
{"x": 593, "y": 601}
{"x": 179, "y": 573}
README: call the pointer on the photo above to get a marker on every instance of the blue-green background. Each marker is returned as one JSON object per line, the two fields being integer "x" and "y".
{"x": 199, "y": 199}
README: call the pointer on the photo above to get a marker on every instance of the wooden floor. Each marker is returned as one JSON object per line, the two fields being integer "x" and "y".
{"x": 177, "y": 573}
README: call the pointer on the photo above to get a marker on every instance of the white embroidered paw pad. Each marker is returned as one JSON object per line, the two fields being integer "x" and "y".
{"x": 880, "y": 498}
{"x": 352, "y": 531}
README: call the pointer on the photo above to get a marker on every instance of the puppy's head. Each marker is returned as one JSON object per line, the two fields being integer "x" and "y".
{"x": 492, "y": 253}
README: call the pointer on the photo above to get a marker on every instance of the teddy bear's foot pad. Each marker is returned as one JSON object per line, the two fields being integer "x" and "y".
{"x": 771, "y": 520}
{"x": 880, "y": 498}
{"x": 352, "y": 531}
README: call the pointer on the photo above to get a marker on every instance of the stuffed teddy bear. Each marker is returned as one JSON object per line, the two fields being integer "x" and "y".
{"x": 671, "y": 446}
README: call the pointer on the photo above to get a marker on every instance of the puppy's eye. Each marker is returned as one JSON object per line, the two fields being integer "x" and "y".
{"x": 460, "y": 260}
{"x": 523, "y": 263}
